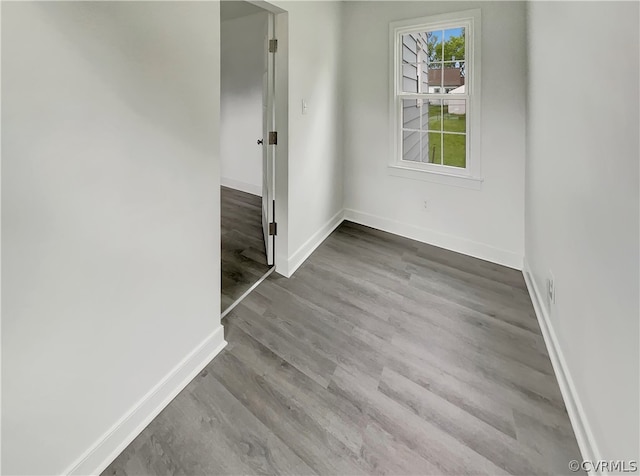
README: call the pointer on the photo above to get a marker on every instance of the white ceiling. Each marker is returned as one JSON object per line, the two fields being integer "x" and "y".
{"x": 230, "y": 9}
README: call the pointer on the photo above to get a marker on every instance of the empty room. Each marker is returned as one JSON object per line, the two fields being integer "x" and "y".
{"x": 320, "y": 237}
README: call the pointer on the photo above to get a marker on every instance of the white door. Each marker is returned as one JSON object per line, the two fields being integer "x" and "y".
{"x": 268, "y": 151}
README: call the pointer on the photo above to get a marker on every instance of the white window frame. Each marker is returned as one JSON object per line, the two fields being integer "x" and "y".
{"x": 470, "y": 176}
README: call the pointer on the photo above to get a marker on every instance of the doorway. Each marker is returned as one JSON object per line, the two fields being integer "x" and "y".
{"x": 247, "y": 148}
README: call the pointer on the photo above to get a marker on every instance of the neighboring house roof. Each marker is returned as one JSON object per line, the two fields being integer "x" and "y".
{"x": 452, "y": 77}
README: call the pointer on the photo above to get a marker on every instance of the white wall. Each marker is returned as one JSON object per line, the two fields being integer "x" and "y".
{"x": 242, "y": 65}
{"x": 582, "y": 205}
{"x": 314, "y": 178}
{"x": 486, "y": 223}
{"x": 110, "y": 218}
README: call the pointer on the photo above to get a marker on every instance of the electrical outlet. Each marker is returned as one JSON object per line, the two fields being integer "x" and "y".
{"x": 425, "y": 205}
{"x": 551, "y": 288}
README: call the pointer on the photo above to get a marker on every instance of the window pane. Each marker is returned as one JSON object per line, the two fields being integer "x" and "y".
{"x": 456, "y": 72}
{"x": 411, "y": 146}
{"x": 452, "y": 78}
{"x": 411, "y": 113}
{"x": 454, "y": 148}
{"x": 432, "y": 116}
{"x": 454, "y": 44}
{"x": 434, "y": 45}
{"x": 431, "y": 151}
{"x": 424, "y": 145}
{"x": 454, "y": 117}
{"x": 435, "y": 76}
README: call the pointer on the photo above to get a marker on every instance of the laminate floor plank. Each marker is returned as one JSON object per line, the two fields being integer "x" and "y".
{"x": 479, "y": 344}
{"x": 469, "y": 278}
{"x": 205, "y": 430}
{"x": 339, "y": 417}
{"x": 478, "y": 402}
{"x": 283, "y": 300}
{"x": 469, "y": 264}
{"x": 550, "y": 442}
{"x": 243, "y": 254}
{"x": 510, "y": 312}
{"x": 502, "y": 371}
{"x": 281, "y": 342}
{"x": 514, "y": 342}
{"x": 498, "y": 447}
{"x": 287, "y": 418}
{"x": 333, "y": 300}
{"x": 387, "y": 455}
{"x": 381, "y": 355}
{"x": 419, "y": 435}
{"x": 313, "y": 331}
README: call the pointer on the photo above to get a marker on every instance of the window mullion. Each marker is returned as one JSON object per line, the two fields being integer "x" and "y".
{"x": 403, "y": 95}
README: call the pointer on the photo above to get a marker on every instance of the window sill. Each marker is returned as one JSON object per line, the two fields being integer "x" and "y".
{"x": 474, "y": 183}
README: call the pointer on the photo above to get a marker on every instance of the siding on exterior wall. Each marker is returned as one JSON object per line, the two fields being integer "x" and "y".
{"x": 410, "y": 55}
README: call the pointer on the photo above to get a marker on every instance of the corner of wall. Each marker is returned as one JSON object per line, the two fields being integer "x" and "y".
{"x": 436, "y": 238}
{"x": 309, "y": 246}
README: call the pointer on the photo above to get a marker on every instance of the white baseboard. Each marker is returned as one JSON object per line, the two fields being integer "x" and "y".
{"x": 122, "y": 433}
{"x": 441, "y": 240}
{"x": 302, "y": 253}
{"x": 581, "y": 427}
{"x": 242, "y": 186}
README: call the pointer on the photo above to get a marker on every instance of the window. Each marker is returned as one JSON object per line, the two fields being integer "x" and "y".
{"x": 435, "y": 95}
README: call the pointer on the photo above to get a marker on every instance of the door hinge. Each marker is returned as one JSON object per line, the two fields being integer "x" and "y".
{"x": 273, "y": 46}
{"x": 273, "y": 228}
{"x": 273, "y": 138}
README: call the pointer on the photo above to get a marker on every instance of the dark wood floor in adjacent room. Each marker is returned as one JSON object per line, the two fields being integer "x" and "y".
{"x": 380, "y": 355}
{"x": 244, "y": 260}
